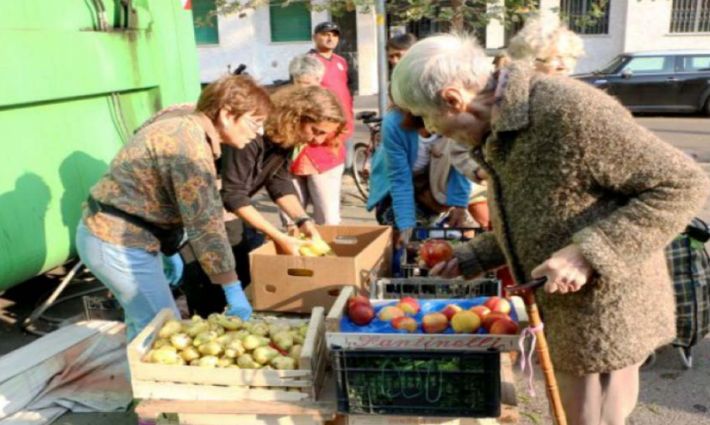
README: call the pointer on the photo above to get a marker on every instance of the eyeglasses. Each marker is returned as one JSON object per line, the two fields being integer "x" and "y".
{"x": 254, "y": 126}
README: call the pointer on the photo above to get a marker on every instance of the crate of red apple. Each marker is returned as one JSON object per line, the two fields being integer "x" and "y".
{"x": 481, "y": 323}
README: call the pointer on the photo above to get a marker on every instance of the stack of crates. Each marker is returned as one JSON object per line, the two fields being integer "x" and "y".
{"x": 432, "y": 383}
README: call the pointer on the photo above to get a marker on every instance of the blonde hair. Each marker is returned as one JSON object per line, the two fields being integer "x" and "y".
{"x": 434, "y": 62}
{"x": 539, "y": 37}
{"x": 296, "y": 105}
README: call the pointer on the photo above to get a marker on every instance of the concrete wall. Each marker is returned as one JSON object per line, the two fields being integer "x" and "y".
{"x": 248, "y": 40}
{"x": 637, "y": 25}
{"x": 648, "y": 28}
{"x": 600, "y": 49}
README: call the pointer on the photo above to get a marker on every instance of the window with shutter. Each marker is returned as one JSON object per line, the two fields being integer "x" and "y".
{"x": 690, "y": 16}
{"x": 206, "y": 30}
{"x": 586, "y": 16}
{"x": 291, "y": 22}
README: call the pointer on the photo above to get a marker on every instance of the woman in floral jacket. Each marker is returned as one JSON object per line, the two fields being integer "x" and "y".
{"x": 162, "y": 186}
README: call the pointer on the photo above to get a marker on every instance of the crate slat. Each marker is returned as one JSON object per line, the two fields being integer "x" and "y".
{"x": 212, "y": 419}
{"x": 170, "y": 391}
{"x": 433, "y": 287}
{"x": 231, "y": 412}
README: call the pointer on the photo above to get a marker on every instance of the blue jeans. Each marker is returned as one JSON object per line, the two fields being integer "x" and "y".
{"x": 135, "y": 276}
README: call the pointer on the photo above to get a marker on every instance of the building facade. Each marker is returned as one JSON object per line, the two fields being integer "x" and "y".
{"x": 267, "y": 38}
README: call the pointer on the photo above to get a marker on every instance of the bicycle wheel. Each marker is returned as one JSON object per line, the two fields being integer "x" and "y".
{"x": 361, "y": 168}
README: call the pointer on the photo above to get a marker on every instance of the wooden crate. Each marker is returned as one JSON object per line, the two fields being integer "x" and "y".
{"x": 415, "y": 341}
{"x": 169, "y": 382}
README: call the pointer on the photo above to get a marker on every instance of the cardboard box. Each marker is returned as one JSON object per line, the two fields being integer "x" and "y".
{"x": 297, "y": 284}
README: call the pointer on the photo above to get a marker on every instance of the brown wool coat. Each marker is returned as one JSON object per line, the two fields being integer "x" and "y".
{"x": 568, "y": 164}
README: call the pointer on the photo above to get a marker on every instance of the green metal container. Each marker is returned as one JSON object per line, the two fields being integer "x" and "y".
{"x": 77, "y": 77}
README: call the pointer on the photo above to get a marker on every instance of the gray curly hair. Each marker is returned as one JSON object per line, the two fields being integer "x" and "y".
{"x": 305, "y": 65}
{"x": 540, "y": 37}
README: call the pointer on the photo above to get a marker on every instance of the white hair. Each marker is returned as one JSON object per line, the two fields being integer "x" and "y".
{"x": 304, "y": 65}
{"x": 435, "y": 62}
{"x": 540, "y": 35}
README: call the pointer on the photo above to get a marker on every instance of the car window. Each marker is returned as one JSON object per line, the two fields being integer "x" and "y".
{"x": 613, "y": 66}
{"x": 650, "y": 65}
{"x": 696, "y": 63}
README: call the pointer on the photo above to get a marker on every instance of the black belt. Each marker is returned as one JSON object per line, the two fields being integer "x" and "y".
{"x": 171, "y": 240}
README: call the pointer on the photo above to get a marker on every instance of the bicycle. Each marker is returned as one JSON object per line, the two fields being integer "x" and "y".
{"x": 363, "y": 151}
{"x": 239, "y": 70}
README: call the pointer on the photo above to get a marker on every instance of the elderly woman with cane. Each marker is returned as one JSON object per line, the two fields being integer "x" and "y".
{"x": 580, "y": 194}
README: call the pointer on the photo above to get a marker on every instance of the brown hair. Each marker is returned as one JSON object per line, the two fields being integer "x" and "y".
{"x": 238, "y": 93}
{"x": 402, "y": 41}
{"x": 295, "y": 105}
{"x": 411, "y": 122}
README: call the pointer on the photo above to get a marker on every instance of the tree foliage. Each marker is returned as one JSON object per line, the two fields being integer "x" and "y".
{"x": 470, "y": 15}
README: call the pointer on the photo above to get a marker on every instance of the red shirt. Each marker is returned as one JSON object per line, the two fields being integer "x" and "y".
{"x": 335, "y": 79}
{"x": 318, "y": 159}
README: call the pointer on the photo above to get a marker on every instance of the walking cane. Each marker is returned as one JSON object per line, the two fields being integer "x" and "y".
{"x": 527, "y": 292}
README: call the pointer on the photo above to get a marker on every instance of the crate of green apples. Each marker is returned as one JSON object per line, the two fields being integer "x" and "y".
{"x": 224, "y": 358}
{"x": 481, "y": 323}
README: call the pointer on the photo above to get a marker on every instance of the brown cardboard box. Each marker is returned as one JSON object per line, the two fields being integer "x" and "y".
{"x": 297, "y": 284}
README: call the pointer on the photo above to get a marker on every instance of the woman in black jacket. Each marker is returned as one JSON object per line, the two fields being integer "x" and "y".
{"x": 301, "y": 115}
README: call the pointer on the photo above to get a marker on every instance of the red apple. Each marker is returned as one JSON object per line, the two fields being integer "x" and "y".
{"x": 498, "y": 304}
{"x": 434, "y": 251}
{"x": 450, "y": 310}
{"x": 465, "y": 322}
{"x": 404, "y": 323}
{"x": 390, "y": 312}
{"x": 435, "y": 323}
{"x": 409, "y": 305}
{"x": 492, "y": 317}
{"x": 361, "y": 314}
{"x": 504, "y": 327}
{"x": 481, "y": 310}
{"x": 358, "y": 299}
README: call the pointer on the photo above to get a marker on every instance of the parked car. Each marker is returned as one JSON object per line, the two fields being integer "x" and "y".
{"x": 663, "y": 81}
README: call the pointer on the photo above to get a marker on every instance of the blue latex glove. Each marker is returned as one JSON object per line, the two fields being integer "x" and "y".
{"x": 172, "y": 269}
{"x": 237, "y": 303}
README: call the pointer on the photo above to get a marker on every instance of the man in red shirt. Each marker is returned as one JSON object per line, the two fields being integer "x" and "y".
{"x": 326, "y": 37}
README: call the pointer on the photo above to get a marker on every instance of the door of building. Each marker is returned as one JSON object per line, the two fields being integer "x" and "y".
{"x": 347, "y": 47}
